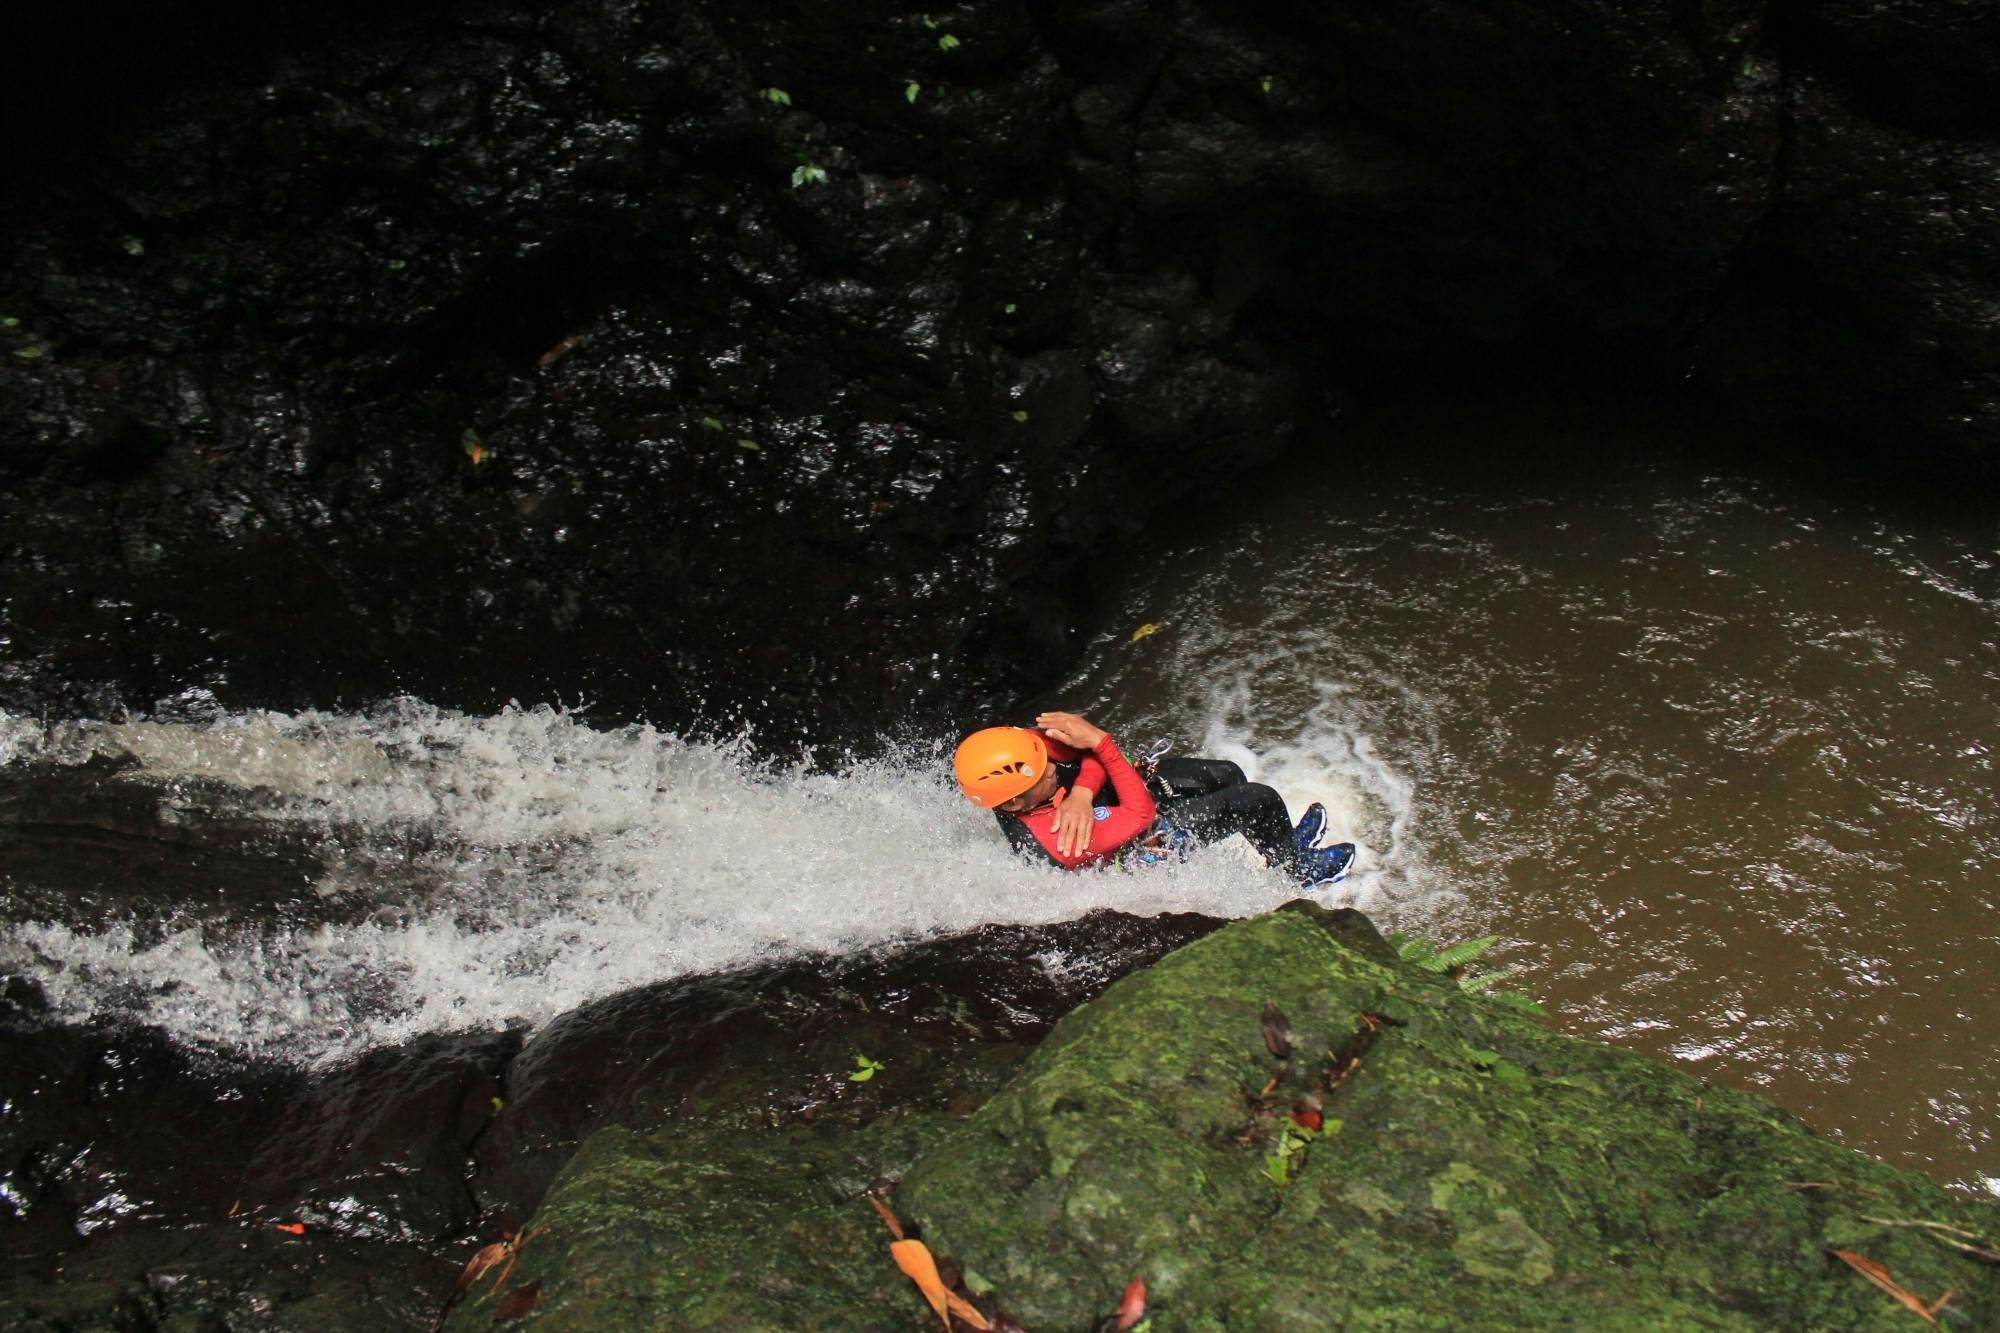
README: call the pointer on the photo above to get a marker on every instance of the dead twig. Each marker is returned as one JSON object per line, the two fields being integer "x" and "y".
{"x": 1973, "y": 1246}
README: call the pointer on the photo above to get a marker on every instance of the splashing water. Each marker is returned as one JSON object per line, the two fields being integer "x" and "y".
{"x": 487, "y": 871}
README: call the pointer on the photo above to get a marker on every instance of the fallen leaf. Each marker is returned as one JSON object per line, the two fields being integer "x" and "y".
{"x": 914, "y": 1258}
{"x": 234, "y": 1206}
{"x": 519, "y": 1301}
{"x": 560, "y": 350}
{"x": 1148, "y": 628}
{"x": 1132, "y": 1308}
{"x": 291, "y": 1228}
{"x": 476, "y": 1266}
{"x": 895, "y": 1226}
{"x": 514, "y": 1244}
{"x": 1879, "y": 1275}
{"x": 1307, "y": 1117}
{"x": 1277, "y": 1030}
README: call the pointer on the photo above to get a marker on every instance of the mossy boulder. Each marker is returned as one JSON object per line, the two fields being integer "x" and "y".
{"x": 1475, "y": 1171}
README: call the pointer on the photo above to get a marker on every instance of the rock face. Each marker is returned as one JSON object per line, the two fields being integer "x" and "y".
{"x": 145, "y": 1187}
{"x": 698, "y": 357}
{"x": 1474, "y": 1171}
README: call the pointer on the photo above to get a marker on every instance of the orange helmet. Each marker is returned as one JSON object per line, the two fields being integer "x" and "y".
{"x": 998, "y": 764}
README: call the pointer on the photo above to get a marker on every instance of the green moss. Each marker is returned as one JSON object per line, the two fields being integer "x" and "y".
{"x": 1490, "y": 1174}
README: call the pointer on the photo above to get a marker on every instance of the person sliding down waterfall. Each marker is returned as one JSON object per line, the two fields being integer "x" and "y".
{"x": 1043, "y": 784}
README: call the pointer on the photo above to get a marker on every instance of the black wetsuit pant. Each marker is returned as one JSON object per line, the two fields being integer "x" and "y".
{"x": 1209, "y": 799}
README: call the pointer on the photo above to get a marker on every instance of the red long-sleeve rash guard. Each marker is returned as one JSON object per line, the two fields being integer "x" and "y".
{"x": 1115, "y": 825}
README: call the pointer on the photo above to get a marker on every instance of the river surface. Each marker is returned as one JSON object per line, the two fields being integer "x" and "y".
{"x": 1713, "y": 752}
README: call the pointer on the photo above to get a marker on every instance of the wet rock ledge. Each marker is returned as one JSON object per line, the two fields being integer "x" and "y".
{"x": 1474, "y": 1171}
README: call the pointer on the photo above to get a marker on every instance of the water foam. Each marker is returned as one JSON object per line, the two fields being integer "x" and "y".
{"x": 505, "y": 869}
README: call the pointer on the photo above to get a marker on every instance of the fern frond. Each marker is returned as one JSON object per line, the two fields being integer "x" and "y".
{"x": 1519, "y": 1000}
{"x": 1473, "y": 985}
{"x": 1417, "y": 950}
{"x": 1458, "y": 955}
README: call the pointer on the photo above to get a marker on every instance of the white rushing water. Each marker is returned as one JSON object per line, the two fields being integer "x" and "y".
{"x": 485, "y": 871}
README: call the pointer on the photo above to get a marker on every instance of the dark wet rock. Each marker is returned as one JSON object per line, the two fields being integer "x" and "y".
{"x": 493, "y": 351}
{"x": 769, "y": 1049}
{"x": 1475, "y": 1171}
{"x": 143, "y": 1186}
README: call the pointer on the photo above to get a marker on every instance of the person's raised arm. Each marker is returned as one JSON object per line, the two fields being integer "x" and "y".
{"x": 1134, "y": 812}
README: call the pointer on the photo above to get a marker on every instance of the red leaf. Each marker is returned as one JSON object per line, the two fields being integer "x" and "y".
{"x": 1307, "y": 1118}
{"x": 519, "y": 1301}
{"x": 294, "y": 1228}
{"x": 1133, "y": 1307}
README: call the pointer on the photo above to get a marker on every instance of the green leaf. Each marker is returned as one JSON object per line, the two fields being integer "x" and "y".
{"x": 1414, "y": 949}
{"x": 397, "y": 265}
{"x": 499, "y": 1104}
{"x": 1473, "y": 985}
{"x": 1486, "y": 1059}
{"x": 1009, "y": 308}
{"x": 930, "y": 22}
{"x": 864, "y": 1069}
{"x": 1520, "y": 1001}
{"x": 29, "y": 353}
{"x": 1458, "y": 955}
{"x": 807, "y": 174}
{"x": 1020, "y": 416}
{"x": 1265, "y": 83}
{"x": 777, "y": 97}
{"x": 751, "y": 445}
{"x": 910, "y": 91}
{"x": 470, "y": 439}
{"x": 710, "y": 423}
{"x": 9, "y": 322}
{"x": 133, "y": 246}
{"x": 947, "y": 43}
{"x": 1276, "y": 1170}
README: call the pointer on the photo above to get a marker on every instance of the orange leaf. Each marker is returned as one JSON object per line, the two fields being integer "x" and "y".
{"x": 519, "y": 1301}
{"x": 294, "y": 1228}
{"x": 895, "y": 1227}
{"x": 1879, "y": 1275}
{"x": 914, "y": 1258}
{"x": 476, "y": 1266}
{"x": 1133, "y": 1307}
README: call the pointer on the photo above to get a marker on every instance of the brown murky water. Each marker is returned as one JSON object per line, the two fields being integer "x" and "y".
{"x": 1713, "y": 750}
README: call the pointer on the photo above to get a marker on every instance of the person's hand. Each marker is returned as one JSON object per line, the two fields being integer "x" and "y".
{"x": 1073, "y": 821}
{"x": 1070, "y": 730}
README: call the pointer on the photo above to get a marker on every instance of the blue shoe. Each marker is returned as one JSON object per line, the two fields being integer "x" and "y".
{"x": 1322, "y": 866}
{"x": 1311, "y": 824}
